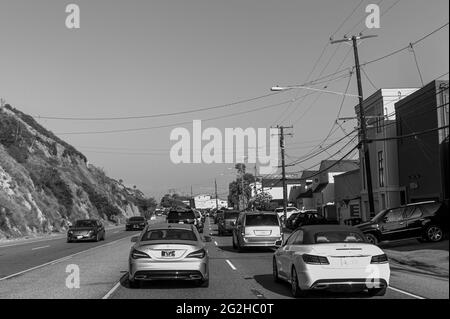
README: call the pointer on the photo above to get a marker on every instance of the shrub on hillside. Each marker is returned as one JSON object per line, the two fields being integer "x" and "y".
{"x": 101, "y": 203}
{"x": 50, "y": 180}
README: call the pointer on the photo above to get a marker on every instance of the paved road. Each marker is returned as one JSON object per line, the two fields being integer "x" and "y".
{"x": 103, "y": 269}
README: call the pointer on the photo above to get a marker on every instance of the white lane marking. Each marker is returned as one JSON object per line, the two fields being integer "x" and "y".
{"x": 61, "y": 259}
{"x": 42, "y": 247}
{"x": 109, "y": 293}
{"x": 215, "y": 243}
{"x": 230, "y": 264}
{"x": 406, "y": 293}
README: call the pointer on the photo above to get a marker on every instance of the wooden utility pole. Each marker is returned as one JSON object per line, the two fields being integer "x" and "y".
{"x": 362, "y": 119}
{"x": 283, "y": 166}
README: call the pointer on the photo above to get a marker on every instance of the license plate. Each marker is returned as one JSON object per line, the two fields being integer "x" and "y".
{"x": 262, "y": 232}
{"x": 79, "y": 237}
{"x": 168, "y": 253}
{"x": 349, "y": 262}
{"x": 180, "y": 222}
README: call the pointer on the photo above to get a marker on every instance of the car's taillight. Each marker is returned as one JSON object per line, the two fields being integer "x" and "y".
{"x": 197, "y": 254}
{"x": 315, "y": 260}
{"x": 379, "y": 259}
{"x": 136, "y": 254}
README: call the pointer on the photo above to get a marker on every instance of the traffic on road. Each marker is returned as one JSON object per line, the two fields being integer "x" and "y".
{"x": 258, "y": 258}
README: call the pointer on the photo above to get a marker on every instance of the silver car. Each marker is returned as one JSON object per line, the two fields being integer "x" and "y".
{"x": 169, "y": 251}
{"x": 257, "y": 229}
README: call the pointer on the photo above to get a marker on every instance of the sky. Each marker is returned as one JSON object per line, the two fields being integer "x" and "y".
{"x": 135, "y": 57}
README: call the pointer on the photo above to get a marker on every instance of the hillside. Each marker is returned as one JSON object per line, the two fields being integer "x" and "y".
{"x": 45, "y": 183}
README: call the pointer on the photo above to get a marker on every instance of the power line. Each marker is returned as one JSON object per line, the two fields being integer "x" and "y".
{"x": 156, "y": 115}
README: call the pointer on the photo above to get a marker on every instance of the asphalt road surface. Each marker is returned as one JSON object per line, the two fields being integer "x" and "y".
{"x": 42, "y": 269}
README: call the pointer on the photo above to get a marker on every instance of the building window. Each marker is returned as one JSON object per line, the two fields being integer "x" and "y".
{"x": 380, "y": 169}
{"x": 379, "y": 123}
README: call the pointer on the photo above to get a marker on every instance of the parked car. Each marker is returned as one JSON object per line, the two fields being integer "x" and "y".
{"x": 136, "y": 223}
{"x": 257, "y": 229}
{"x": 353, "y": 221}
{"x": 86, "y": 230}
{"x": 308, "y": 217}
{"x": 321, "y": 257}
{"x": 288, "y": 222}
{"x": 228, "y": 221}
{"x": 158, "y": 212}
{"x": 289, "y": 212}
{"x": 427, "y": 221}
{"x": 169, "y": 252}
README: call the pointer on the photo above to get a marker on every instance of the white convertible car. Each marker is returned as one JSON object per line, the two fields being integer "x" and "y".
{"x": 331, "y": 257}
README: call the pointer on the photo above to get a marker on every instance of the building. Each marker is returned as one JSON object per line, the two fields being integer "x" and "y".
{"x": 379, "y": 110}
{"x": 206, "y": 201}
{"x": 323, "y": 185}
{"x": 423, "y": 159}
{"x": 302, "y": 196}
{"x": 274, "y": 187}
{"x": 348, "y": 195}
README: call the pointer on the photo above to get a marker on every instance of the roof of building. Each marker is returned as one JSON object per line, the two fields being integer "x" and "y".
{"x": 339, "y": 166}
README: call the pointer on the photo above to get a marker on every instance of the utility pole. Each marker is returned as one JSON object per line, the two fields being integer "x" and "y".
{"x": 283, "y": 166}
{"x": 362, "y": 118}
{"x": 215, "y": 187}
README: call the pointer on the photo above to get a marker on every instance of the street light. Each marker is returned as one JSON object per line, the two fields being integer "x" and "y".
{"x": 286, "y": 88}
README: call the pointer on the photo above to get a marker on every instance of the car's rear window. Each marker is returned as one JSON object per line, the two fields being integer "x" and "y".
{"x": 137, "y": 219}
{"x": 338, "y": 237}
{"x": 261, "y": 220}
{"x": 181, "y": 215}
{"x": 231, "y": 215}
{"x": 169, "y": 234}
{"x": 85, "y": 223}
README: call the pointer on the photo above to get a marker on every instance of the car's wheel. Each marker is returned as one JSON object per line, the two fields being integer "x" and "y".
{"x": 434, "y": 233}
{"x": 134, "y": 283}
{"x": 377, "y": 291}
{"x": 275, "y": 270}
{"x": 104, "y": 236}
{"x": 295, "y": 288}
{"x": 371, "y": 238}
{"x": 234, "y": 244}
{"x": 97, "y": 238}
{"x": 203, "y": 283}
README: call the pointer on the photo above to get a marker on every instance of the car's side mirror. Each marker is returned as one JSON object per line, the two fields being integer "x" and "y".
{"x": 134, "y": 239}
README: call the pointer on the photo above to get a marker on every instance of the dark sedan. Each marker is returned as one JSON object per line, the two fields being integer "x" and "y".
{"x": 136, "y": 223}
{"x": 86, "y": 230}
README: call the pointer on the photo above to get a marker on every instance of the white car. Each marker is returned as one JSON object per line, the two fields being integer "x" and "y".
{"x": 331, "y": 257}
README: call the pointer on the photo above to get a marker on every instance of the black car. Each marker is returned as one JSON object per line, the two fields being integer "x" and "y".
{"x": 183, "y": 216}
{"x": 227, "y": 222}
{"x": 86, "y": 230}
{"x": 310, "y": 217}
{"x": 426, "y": 221}
{"x": 136, "y": 223}
{"x": 289, "y": 221}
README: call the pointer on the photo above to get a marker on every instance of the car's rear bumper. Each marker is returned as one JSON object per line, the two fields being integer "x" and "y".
{"x": 178, "y": 270}
{"x": 261, "y": 241}
{"x": 322, "y": 277}
{"x": 133, "y": 227}
{"x": 84, "y": 238}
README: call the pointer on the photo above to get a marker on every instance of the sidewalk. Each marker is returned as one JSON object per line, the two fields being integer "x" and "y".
{"x": 429, "y": 261}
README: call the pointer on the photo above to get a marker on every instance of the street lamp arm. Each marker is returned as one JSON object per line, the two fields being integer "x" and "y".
{"x": 278, "y": 89}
